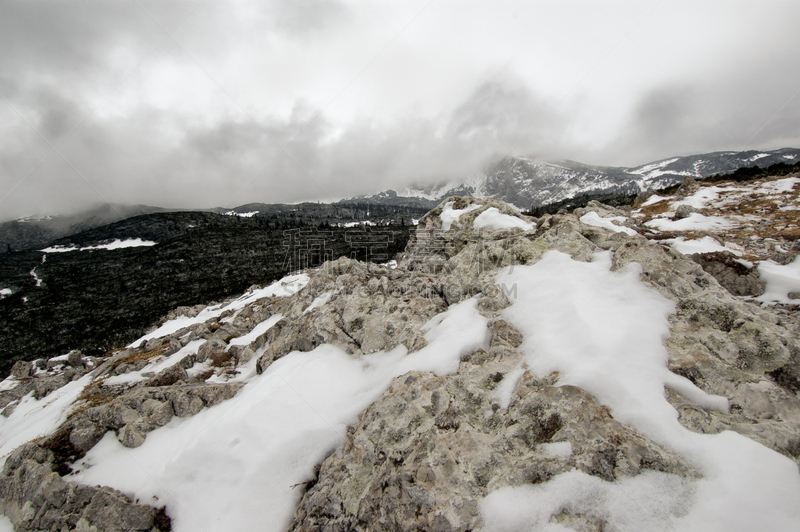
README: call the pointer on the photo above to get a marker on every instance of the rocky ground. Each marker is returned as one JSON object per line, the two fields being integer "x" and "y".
{"x": 438, "y": 442}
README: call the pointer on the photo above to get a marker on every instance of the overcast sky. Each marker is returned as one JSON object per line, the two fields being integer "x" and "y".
{"x": 189, "y": 104}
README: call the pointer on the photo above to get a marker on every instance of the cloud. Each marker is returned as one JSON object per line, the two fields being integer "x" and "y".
{"x": 314, "y": 100}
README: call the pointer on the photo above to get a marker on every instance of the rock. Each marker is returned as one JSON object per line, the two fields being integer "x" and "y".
{"x": 131, "y": 435}
{"x": 21, "y": 369}
{"x": 75, "y": 358}
{"x": 168, "y": 376}
{"x": 111, "y": 509}
{"x": 737, "y": 278}
{"x": 156, "y": 412}
{"x": 85, "y": 434}
{"x": 684, "y": 211}
{"x": 33, "y": 497}
{"x": 185, "y": 405}
{"x": 688, "y": 187}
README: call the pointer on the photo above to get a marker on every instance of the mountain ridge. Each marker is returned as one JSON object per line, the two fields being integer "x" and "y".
{"x": 529, "y": 183}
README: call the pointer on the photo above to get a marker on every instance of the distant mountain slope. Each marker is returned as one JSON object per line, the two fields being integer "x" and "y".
{"x": 27, "y": 233}
{"x": 528, "y": 183}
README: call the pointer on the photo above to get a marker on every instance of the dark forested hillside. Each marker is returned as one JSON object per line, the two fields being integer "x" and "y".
{"x": 101, "y": 299}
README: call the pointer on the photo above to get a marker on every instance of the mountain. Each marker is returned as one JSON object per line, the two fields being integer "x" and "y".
{"x": 527, "y": 183}
{"x": 38, "y": 232}
{"x": 33, "y": 231}
{"x": 600, "y": 369}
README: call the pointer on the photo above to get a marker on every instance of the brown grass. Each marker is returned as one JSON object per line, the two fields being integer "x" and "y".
{"x": 142, "y": 355}
{"x": 220, "y": 359}
{"x": 93, "y": 394}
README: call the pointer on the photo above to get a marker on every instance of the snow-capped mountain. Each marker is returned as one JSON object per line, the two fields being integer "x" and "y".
{"x": 527, "y": 183}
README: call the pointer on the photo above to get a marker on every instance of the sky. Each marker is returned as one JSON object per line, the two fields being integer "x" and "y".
{"x": 216, "y": 104}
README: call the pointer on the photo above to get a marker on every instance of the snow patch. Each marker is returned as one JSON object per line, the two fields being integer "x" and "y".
{"x": 694, "y": 222}
{"x": 781, "y": 280}
{"x": 594, "y": 219}
{"x": 450, "y": 215}
{"x": 492, "y": 218}
{"x": 257, "y": 331}
{"x": 5, "y": 292}
{"x": 155, "y": 366}
{"x": 648, "y": 501}
{"x": 115, "y": 244}
{"x": 706, "y": 244}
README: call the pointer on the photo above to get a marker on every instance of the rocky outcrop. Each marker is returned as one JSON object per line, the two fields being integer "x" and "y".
{"x": 425, "y": 454}
{"x": 422, "y": 456}
{"x": 35, "y": 497}
{"x": 731, "y": 273}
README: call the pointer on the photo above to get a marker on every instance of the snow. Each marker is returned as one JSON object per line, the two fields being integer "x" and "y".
{"x": 36, "y": 277}
{"x": 655, "y": 198}
{"x": 33, "y": 418}
{"x": 5, "y": 524}
{"x": 594, "y": 219}
{"x": 156, "y": 365}
{"x": 780, "y": 281}
{"x": 505, "y": 390}
{"x": 694, "y": 222}
{"x": 648, "y": 168}
{"x": 115, "y": 244}
{"x": 561, "y": 449}
{"x": 647, "y": 502}
{"x": 357, "y": 224}
{"x": 706, "y": 244}
{"x": 780, "y": 186}
{"x": 754, "y": 158}
{"x": 603, "y": 331}
{"x": 701, "y": 198}
{"x": 241, "y": 214}
{"x": 285, "y": 287}
{"x": 257, "y": 331}
{"x": 232, "y": 466}
{"x": 9, "y": 383}
{"x": 319, "y": 301}
{"x": 450, "y": 215}
{"x": 492, "y": 218}
{"x": 5, "y": 292}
